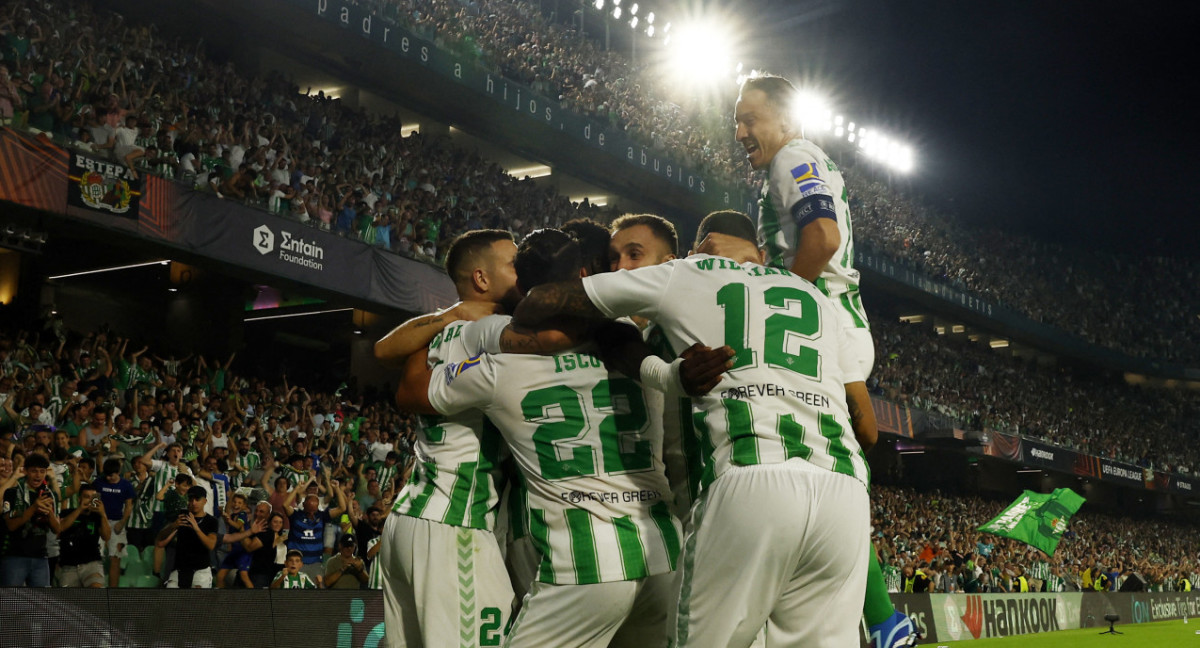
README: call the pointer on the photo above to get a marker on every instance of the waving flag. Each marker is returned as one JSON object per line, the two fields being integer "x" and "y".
{"x": 1037, "y": 519}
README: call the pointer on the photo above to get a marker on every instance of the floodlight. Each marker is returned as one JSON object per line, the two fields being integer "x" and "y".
{"x": 633, "y": 9}
{"x": 850, "y": 127}
{"x": 667, "y": 29}
{"x": 850, "y": 137}
{"x": 838, "y": 120}
{"x": 617, "y": 13}
{"x": 699, "y": 49}
{"x": 616, "y": 3}
{"x": 633, "y": 23}
{"x": 839, "y": 131}
{"x": 599, "y": 5}
{"x": 810, "y": 110}
{"x": 650, "y": 31}
{"x": 650, "y": 18}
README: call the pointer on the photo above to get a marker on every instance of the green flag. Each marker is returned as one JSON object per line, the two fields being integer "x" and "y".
{"x": 1037, "y": 519}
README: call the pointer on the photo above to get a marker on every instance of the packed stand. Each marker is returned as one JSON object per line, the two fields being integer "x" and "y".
{"x": 124, "y": 468}
{"x": 163, "y": 107}
{"x": 514, "y": 40}
{"x": 982, "y": 389}
{"x": 1141, "y": 305}
{"x": 927, "y": 542}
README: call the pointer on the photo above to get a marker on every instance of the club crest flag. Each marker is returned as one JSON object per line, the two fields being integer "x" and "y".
{"x": 1037, "y": 519}
{"x": 102, "y": 185}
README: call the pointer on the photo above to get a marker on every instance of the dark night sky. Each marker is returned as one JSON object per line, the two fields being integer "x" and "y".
{"x": 1074, "y": 122}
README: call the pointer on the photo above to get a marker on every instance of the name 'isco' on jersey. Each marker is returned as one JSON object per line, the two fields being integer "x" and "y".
{"x": 590, "y": 451}
{"x": 799, "y": 174}
{"x": 455, "y": 473}
{"x": 785, "y": 397}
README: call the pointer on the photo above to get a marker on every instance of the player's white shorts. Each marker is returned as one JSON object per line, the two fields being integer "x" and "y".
{"x": 782, "y": 544}
{"x": 864, "y": 348}
{"x": 522, "y": 560}
{"x": 442, "y": 585}
{"x": 620, "y": 614}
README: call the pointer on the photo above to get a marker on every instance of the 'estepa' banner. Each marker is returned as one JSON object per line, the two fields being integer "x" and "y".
{"x": 103, "y": 186}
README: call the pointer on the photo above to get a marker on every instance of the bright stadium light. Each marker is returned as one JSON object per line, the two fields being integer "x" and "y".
{"x": 633, "y": 9}
{"x": 650, "y": 31}
{"x": 850, "y": 127}
{"x": 811, "y": 110}
{"x": 616, "y": 3}
{"x": 650, "y": 18}
{"x": 698, "y": 49}
{"x": 633, "y": 23}
{"x": 850, "y": 137}
{"x": 837, "y": 121}
{"x": 617, "y": 13}
{"x": 667, "y": 29}
{"x": 599, "y": 5}
{"x": 839, "y": 131}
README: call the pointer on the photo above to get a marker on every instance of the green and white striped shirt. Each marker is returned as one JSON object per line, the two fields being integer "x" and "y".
{"x": 785, "y": 396}
{"x": 164, "y": 472}
{"x": 590, "y": 452}
{"x": 142, "y": 515}
{"x": 455, "y": 475}
{"x": 800, "y": 171}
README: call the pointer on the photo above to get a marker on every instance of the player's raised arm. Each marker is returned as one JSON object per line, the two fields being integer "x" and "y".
{"x": 553, "y": 299}
{"x": 819, "y": 241}
{"x": 415, "y": 334}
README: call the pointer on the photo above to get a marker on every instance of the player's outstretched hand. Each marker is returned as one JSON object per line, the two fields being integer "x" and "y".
{"x": 702, "y": 368}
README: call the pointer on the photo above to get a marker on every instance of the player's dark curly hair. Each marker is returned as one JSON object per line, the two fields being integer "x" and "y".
{"x": 546, "y": 256}
{"x": 593, "y": 239}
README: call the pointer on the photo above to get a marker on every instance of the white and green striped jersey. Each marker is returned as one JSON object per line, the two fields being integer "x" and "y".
{"x": 785, "y": 396}
{"x": 164, "y": 472}
{"x": 299, "y": 581}
{"x": 385, "y": 474}
{"x": 375, "y": 574}
{"x": 142, "y": 515}
{"x": 294, "y": 477}
{"x": 801, "y": 170}
{"x": 681, "y": 447}
{"x": 246, "y": 463}
{"x": 591, "y": 455}
{"x": 456, "y": 473}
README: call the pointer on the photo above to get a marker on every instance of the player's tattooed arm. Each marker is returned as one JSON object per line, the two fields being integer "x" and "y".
{"x": 548, "y": 300}
{"x": 394, "y": 348}
{"x": 555, "y": 336}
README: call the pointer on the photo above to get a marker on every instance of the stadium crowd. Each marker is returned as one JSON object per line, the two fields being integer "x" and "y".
{"x": 927, "y": 542}
{"x": 981, "y": 389}
{"x": 113, "y": 447}
{"x": 165, "y": 108}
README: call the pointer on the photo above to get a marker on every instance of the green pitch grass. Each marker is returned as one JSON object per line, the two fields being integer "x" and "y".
{"x": 1137, "y": 635}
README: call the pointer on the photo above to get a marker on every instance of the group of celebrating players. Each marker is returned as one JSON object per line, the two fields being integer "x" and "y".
{"x": 627, "y": 448}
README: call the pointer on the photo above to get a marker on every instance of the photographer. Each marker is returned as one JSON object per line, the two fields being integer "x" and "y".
{"x": 345, "y": 570}
{"x": 195, "y": 536}
{"x": 31, "y": 515}
{"x": 81, "y": 532}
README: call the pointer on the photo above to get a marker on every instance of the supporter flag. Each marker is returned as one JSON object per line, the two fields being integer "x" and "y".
{"x": 1037, "y": 519}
